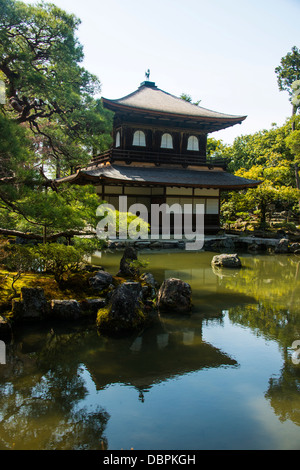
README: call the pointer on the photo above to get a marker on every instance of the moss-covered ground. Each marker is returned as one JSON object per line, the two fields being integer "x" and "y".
{"x": 75, "y": 287}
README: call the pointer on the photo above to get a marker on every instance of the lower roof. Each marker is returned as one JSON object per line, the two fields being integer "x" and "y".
{"x": 157, "y": 176}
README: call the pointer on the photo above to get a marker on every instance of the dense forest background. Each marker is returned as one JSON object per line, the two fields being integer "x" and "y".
{"x": 271, "y": 156}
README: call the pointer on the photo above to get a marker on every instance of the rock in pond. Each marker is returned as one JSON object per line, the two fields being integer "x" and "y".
{"x": 127, "y": 267}
{"x": 148, "y": 285}
{"x": 174, "y": 295}
{"x": 125, "y": 311}
{"x": 227, "y": 261}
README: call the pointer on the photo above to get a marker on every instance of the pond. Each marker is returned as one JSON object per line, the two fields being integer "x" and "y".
{"x": 225, "y": 377}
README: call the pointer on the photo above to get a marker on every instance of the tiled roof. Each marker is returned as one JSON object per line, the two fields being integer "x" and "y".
{"x": 152, "y": 99}
{"x": 160, "y": 176}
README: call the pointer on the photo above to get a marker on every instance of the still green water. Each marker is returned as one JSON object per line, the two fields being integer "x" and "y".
{"x": 222, "y": 378}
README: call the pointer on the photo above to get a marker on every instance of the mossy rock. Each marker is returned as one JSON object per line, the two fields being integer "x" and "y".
{"x": 125, "y": 311}
{"x": 114, "y": 325}
{"x": 174, "y": 296}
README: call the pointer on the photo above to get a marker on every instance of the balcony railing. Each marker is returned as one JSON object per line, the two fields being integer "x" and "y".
{"x": 130, "y": 156}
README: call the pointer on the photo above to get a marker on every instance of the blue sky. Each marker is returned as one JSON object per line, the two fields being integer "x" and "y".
{"x": 223, "y": 52}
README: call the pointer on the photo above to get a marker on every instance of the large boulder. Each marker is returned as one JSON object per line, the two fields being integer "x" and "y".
{"x": 32, "y": 304}
{"x": 226, "y": 261}
{"x": 125, "y": 311}
{"x": 148, "y": 286}
{"x": 65, "y": 309}
{"x": 91, "y": 306}
{"x": 174, "y": 295}
{"x": 101, "y": 280}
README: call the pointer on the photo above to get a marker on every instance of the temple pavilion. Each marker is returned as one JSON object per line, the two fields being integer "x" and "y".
{"x": 159, "y": 156}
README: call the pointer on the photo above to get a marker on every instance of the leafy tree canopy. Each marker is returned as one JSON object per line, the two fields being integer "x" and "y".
{"x": 46, "y": 86}
{"x": 189, "y": 99}
{"x": 270, "y": 156}
{"x": 288, "y": 72}
{"x": 51, "y": 121}
{"x": 266, "y": 147}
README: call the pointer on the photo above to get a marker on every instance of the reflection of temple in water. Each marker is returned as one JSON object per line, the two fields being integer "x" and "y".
{"x": 172, "y": 348}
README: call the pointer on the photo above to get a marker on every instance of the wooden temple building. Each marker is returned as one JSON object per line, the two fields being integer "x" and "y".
{"x": 159, "y": 154}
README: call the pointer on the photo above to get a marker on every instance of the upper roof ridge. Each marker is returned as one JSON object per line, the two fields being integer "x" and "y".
{"x": 151, "y": 98}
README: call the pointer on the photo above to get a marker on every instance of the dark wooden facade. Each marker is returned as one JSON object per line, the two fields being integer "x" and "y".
{"x": 159, "y": 156}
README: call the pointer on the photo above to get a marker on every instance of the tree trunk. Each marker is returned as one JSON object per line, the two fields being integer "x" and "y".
{"x": 35, "y": 236}
{"x": 293, "y": 114}
{"x": 57, "y": 168}
{"x": 263, "y": 211}
{"x": 297, "y": 175}
{"x": 44, "y": 234}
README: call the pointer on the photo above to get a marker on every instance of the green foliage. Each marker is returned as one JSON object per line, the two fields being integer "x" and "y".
{"x": 293, "y": 143}
{"x": 266, "y": 147}
{"x": 289, "y": 70}
{"x": 113, "y": 221}
{"x": 19, "y": 260}
{"x": 270, "y": 157}
{"x": 47, "y": 87}
{"x": 58, "y": 259}
{"x": 88, "y": 245}
{"x": 189, "y": 99}
{"x": 51, "y": 120}
{"x": 272, "y": 192}
{"x": 215, "y": 148}
{"x": 14, "y": 146}
{"x": 55, "y": 258}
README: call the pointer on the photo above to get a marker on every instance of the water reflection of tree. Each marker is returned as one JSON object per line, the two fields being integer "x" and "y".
{"x": 41, "y": 403}
{"x": 269, "y": 320}
{"x": 275, "y": 278}
{"x": 281, "y": 325}
{"x": 274, "y": 282}
{"x": 283, "y": 393}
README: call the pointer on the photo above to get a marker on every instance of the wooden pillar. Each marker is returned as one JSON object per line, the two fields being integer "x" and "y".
{"x": 181, "y": 143}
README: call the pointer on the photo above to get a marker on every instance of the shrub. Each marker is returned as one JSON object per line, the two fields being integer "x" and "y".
{"x": 60, "y": 260}
{"x": 19, "y": 259}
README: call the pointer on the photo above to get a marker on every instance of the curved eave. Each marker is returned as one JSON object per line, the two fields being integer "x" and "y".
{"x": 80, "y": 178}
{"x": 227, "y": 120}
{"x": 180, "y": 185}
{"x": 83, "y": 177}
